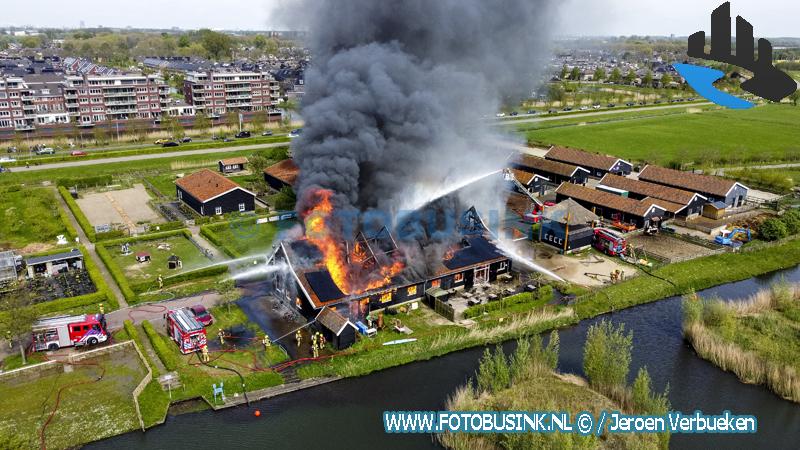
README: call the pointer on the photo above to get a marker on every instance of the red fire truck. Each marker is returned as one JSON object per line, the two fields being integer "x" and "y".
{"x": 65, "y": 331}
{"x": 609, "y": 242}
{"x": 186, "y": 330}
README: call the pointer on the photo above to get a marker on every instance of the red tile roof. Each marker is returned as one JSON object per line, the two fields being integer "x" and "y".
{"x": 647, "y": 189}
{"x": 581, "y": 158}
{"x": 606, "y": 199}
{"x": 545, "y": 165}
{"x": 690, "y": 181}
{"x": 206, "y": 184}
{"x": 286, "y": 171}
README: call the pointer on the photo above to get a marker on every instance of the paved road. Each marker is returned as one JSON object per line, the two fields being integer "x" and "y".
{"x": 92, "y": 162}
{"x": 154, "y": 312}
{"x": 562, "y": 115}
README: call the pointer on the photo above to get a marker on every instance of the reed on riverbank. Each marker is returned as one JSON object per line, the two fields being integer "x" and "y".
{"x": 754, "y": 338}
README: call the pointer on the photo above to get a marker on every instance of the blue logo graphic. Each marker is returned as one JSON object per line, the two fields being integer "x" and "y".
{"x": 702, "y": 79}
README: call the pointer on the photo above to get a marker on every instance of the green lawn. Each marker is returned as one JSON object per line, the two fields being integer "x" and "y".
{"x": 245, "y": 237}
{"x": 765, "y": 133}
{"x": 89, "y": 411}
{"x": 165, "y": 183}
{"x": 29, "y": 215}
{"x": 179, "y": 245}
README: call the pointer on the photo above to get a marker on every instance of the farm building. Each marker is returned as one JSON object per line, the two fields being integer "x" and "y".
{"x": 677, "y": 201}
{"x": 715, "y": 189}
{"x": 555, "y": 172}
{"x": 232, "y": 165}
{"x": 640, "y": 213}
{"x": 281, "y": 174}
{"x": 567, "y": 226}
{"x": 597, "y": 164}
{"x": 55, "y": 263}
{"x": 472, "y": 260}
{"x": 209, "y": 194}
{"x": 527, "y": 181}
{"x": 8, "y": 266}
{"x": 337, "y": 329}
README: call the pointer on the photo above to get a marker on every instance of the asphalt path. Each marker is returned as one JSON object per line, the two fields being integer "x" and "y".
{"x": 116, "y": 159}
{"x": 544, "y": 117}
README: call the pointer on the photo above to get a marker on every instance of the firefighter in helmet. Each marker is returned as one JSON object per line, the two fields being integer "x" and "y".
{"x": 298, "y": 336}
{"x": 221, "y": 335}
{"x": 265, "y": 340}
{"x": 204, "y": 353}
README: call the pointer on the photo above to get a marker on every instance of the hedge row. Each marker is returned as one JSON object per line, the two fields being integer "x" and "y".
{"x": 134, "y": 334}
{"x": 207, "y": 232}
{"x": 79, "y": 216}
{"x": 116, "y": 273}
{"x": 543, "y": 293}
{"x": 172, "y": 280}
{"x": 166, "y": 226}
{"x": 166, "y": 354}
{"x": 82, "y": 182}
{"x": 72, "y": 233}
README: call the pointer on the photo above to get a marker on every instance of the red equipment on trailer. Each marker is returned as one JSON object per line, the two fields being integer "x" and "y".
{"x": 67, "y": 331}
{"x": 185, "y": 330}
{"x": 609, "y": 242}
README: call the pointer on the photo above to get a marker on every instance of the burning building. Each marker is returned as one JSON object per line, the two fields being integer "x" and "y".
{"x": 375, "y": 270}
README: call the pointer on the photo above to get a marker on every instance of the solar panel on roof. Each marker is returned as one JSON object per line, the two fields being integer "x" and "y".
{"x": 322, "y": 284}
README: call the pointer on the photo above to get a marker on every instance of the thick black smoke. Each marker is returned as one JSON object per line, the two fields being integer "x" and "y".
{"x": 399, "y": 92}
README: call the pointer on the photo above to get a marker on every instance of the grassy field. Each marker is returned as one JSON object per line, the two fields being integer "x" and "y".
{"x": 179, "y": 245}
{"x": 767, "y": 133}
{"x": 27, "y": 216}
{"x": 245, "y": 237}
{"x": 88, "y": 410}
{"x": 756, "y": 338}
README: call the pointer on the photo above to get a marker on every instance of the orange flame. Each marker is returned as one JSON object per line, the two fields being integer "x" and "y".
{"x": 317, "y": 224}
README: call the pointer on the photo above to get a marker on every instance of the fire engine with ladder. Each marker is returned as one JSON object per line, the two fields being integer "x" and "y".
{"x": 186, "y": 330}
{"x": 67, "y": 331}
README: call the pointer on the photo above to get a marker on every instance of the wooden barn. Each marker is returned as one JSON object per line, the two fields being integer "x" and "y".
{"x": 337, "y": 329}
{"x": 281, "y": 174}
{"x": 714, "y": 189}
{"x": 209, "y": 193}
{"x": 530, "y": 182}
{"x": 567, "y": 226}
{"x": 555, "y": 172}
{"x": 597, "y": 164}
{"x": 640, "y": 213}
{"x": 232, "y": 165}
{"x": 678, "y": 202}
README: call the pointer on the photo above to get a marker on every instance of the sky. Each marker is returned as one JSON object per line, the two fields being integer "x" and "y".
{"x": 770, "y": 18}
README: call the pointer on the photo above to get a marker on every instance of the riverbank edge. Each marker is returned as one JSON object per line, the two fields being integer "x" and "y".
{"x": 748, "y": 366}
{"x": 790, "y": 247}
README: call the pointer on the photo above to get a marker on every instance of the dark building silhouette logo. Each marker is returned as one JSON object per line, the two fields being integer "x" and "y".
{"x": 767, "y": 81}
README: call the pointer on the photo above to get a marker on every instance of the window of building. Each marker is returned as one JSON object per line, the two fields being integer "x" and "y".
{"x": 459, "y": 277}
{"x": 412, "y": 290}
{"x": 436, "y": 283}
{"x": 241, "y": 207}
{"x": 503, "y": 265}
{"x": 386, "y": 297}
{"x": 218, "y": 210}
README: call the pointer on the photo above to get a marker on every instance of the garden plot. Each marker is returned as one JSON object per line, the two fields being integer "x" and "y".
{"x": 663, "y": 246}
{"x": 128, "y": 207}
{"x": 158, "y": 252}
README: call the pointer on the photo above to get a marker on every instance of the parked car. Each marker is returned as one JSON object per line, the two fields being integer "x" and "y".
{"x": 227, "y": 139}
{"x": 160, "y": 141}
{"x": 630, "y": 104}
{"x": 532, "y": 111}
{"x": 170, "y": 144}
{"x": 6, "y": 159}
{"x": 202, "y": 315}
{"x": 500, "y": 115}
{"x": 596, "y": 106}
{"x": 46, "y": 151}
{"x": 267, "y": 133}
{"x": 514, "y": 113}
{"x": 214, "y": 137}
{"x": 296, "y": 132}
{"x": 657, "y": 102}
{"x": 552, "y": 111}
{"x": 691, "y": 99}
{"x": 611, "y": 105}
{"x": 12, "y": 150}
{"x": 186, "y": 139}
{"x": 243, "y": 134}
{"x": 77, "y": 153}
{"x": 583, "y": 108}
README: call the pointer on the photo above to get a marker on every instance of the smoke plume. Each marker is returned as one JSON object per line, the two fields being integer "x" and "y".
{"x": 399, "y": 93}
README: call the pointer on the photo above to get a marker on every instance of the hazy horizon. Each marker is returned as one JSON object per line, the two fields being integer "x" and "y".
{"x": 770, "y": 18}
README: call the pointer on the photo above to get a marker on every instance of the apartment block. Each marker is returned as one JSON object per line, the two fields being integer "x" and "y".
{"x": 92, "y": 99}
{"x": 216, "y": 93}
{"x": 17, "y": 108}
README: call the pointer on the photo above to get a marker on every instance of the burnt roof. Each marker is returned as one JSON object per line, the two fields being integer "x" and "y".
{"x": 704, "y": 184}
{"x": 474, "y": 249}
{"x": 206, "y": 184}
{"x": 648, "y": 189}
{"x": 323, "y": 285}
{"x": 286, "y": 171}
{"x": 613, "y": 201}
{"x": 538, "y": 165}
{"x": 581, "y": 158}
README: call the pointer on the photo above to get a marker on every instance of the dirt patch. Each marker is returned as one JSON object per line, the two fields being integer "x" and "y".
{"x": 586, "y": 269}
{"x": 665, "y": 246}
{"x": 124, "y": 206}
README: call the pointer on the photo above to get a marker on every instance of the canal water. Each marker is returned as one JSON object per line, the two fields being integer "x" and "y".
{"x": 347, "y": 414}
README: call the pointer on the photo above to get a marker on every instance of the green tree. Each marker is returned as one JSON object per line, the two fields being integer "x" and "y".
{"x": 607, "y": 355}
{"x": 791, "y": 219}
{"x": 232, "y": 118}
{"x": 795, "y": 97}
{"x": 260, "y": 42}
{"x": 564, "y": 72}
{"x": 630, "y": 77}
{"x": 616, "y": 75}
{"x": 552, "y": 350}
{"x": 31, "y": 42}
{"x": 286, "y": 199}
{"x": 666, "y": 80}
{"x": 218, "y": 45}
{"x": 202, "y": 122}
{"x": 599, "y": 74}
{"x": 773, "y": 229}
{"x": 520, "y": 361}
{"x": 183, "y": 41}
{"x": 556, "y": 93}
{"x": 647, "y": 81}
{"x": 575, "y": 74}
{"x": 17, "y": 318}
{"x": 100, "y": 135}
